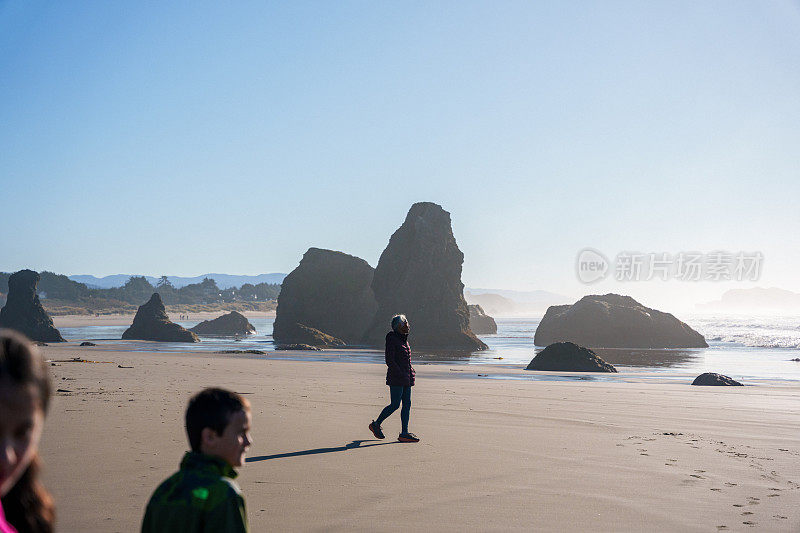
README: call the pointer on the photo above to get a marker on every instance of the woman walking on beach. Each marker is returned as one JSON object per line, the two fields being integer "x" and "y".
{"x": 399, "y": 377}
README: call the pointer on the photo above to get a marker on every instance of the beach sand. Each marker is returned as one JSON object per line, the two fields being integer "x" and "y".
{"x": 495, "y": 455}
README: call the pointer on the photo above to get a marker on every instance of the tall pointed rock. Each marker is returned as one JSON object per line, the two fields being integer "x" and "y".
{"x": 419, "y": 275}
{"x": 151, "y": 323}
{"x": 23, "y": 311}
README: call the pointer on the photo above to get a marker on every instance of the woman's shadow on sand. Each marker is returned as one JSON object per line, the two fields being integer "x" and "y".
{"x": 352, "y": 446}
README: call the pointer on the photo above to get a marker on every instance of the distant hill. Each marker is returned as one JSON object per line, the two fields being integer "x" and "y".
{"x": 757, "y": 299}
{"x": 224, "y": 281}
{"x": 501, "y": 302}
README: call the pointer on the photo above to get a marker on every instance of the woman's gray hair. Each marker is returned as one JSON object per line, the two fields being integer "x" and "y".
{"x": 397, "y": 320}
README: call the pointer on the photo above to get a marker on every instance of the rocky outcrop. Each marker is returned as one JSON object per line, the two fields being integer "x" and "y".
{"x": 306, "y": 347}
{"x": 614, "y": 321}
{"x": 23, "y": 311}
{"x": 151, "y": 323}
{"x": 419, "y": 275}
{"x": 479, "y": 322}
{"x": 713, "y": 379}
{"x": 569, "y": 357}
{"x": 328, "y": 292}
{"x": 307, "y": 335}
{"x": 226, "y": 325}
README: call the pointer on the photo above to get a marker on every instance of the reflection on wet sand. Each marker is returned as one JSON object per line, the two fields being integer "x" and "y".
{"x": 647, "y": 358}
{"x": 615, "y": 356}
{"x": 431, "y": 356}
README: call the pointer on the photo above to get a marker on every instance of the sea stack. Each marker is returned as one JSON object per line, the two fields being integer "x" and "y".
{"x": 614, "y": 321}
{"x": 569, "y": 357}
{"x": 329, "y": 293}
{"x": 479, "y": 322}
{"x": 23, "y": 311}
{"x": 419, "y": 275}
{"x": 226, "y": 325}
{"x": 151, "y": 323}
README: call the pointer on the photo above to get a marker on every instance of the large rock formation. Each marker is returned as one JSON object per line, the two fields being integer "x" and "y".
{"x": 329, "y": 293}
{"x": 479, "y": 322}
{"x": 151, "y": 323}
{"x": 419, "y": 275}
{"x": 24, "y": 313}
{"x": 569, "y": 357}
{"x": 226, "y": 325}
{"x": 614, "y": 321}
{"x": 714, "y": 379}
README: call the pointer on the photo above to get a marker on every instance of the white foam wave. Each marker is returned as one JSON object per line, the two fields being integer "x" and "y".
{"x": 756, "y": 332}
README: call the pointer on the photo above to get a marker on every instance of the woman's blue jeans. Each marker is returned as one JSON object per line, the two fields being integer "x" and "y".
{"x": 398, "y": 393}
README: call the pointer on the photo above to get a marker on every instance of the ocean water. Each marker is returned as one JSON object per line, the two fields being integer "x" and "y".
{"x": 741, "y": 347}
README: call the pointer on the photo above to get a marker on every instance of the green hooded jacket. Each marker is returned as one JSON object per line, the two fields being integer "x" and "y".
{"x": 200, "y": 497}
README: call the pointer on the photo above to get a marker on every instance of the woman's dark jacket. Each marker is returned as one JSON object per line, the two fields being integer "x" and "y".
{"x": 398, "y": 360}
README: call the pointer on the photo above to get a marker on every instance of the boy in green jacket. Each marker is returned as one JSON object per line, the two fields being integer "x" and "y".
{"x": 202, "y": 496}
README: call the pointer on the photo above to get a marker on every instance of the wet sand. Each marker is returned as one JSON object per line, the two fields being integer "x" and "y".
{"x": 496, "y": 455}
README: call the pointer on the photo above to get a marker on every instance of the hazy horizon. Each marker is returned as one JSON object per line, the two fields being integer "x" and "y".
{"x": 527, "y": 306}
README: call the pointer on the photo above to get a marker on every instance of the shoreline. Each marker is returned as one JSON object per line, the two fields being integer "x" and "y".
{"x": 479, "y": 370}
{"x": 492, "y": 364}
{"x": 519, "y": 455}
{"x": 78, "y": 321}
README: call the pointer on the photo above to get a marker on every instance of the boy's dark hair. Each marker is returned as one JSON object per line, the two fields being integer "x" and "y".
{"x": 211, "y": 408}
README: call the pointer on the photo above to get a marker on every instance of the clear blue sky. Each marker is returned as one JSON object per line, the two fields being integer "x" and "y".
{"x": 200, "y": 137}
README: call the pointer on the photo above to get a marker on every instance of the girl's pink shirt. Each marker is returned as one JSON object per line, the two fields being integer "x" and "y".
{"x": 5, "y": 527}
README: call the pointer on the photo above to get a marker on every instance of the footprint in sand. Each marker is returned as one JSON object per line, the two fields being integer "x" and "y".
{"x": 722, "y": 528}
{"x": 716, "y": 490}
{"x": 748, "y": 523}
{"x": 695, "y": 475}
{"x": 746, "y": 513}
{"x": 753, "y": 501}
{"x": 738, "y": 505}
{"x": 780, "y": 517}
{"x": 728, "y": 484}
{"x": 700, "y": 471}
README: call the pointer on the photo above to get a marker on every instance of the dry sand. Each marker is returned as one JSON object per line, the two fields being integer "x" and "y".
{"x": 496, "y": 455}
{"x": 74, "y": 321}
